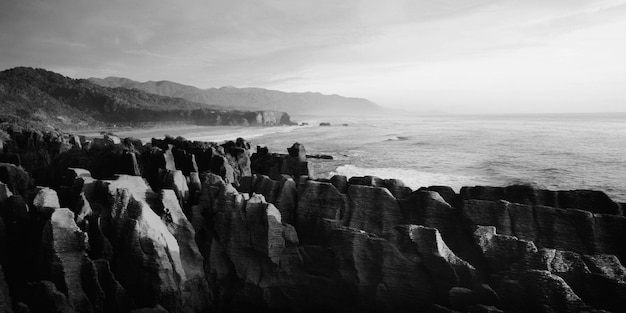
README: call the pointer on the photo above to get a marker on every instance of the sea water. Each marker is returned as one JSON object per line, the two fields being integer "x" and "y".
{"x": 557, "y": 152}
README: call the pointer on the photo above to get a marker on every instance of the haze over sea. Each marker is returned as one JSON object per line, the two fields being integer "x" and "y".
{"x": 556, "y": 151}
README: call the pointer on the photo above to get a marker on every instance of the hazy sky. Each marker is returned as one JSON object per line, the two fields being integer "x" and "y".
{"x": 439, "y": 55}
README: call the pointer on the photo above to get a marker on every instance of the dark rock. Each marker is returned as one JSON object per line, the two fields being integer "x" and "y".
{"x": 462, "y": 298}
{"x": 297, "y": 151}
{"x": 318, "y": 201}
{"x": 538, "y": 291}
{"x": 564, "y": 229}
{"x": 18, "y": 180}
{"x": 116, "y": 298}
{"x": 372, "y": 209}
{"x": 5, "y": 298}
{"x": 44, "y": 297}
{"x": 588, "y": 200}
{"x": 340, "y": 182}
{"x": 502, "y": 251}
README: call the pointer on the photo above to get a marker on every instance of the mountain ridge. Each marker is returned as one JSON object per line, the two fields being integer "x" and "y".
{"x": 251, "y": 97}
{"x": 39, "y": 95}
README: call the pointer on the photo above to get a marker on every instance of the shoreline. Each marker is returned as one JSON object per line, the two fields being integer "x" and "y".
{"x": 194, "y": 132}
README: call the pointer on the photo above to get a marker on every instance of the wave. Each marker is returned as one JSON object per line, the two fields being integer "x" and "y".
{"x": 412, "y": 178}
{"x": 398, "y": 138}
{"x": 246, "y": 133}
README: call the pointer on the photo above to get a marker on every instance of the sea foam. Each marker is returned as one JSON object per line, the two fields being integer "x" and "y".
{"x": 411, "y": 178}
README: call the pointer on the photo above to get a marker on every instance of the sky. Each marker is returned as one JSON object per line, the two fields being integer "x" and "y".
{"x": 455, "y": 56}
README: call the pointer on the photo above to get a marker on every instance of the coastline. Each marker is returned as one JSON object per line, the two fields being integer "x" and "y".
{"x": 194, "y": 132}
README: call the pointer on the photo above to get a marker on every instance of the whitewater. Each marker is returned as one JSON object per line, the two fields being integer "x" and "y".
{"x": 557, "y": 152}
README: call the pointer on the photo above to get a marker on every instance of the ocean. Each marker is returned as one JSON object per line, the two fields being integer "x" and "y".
{"x": 555, "y": 151}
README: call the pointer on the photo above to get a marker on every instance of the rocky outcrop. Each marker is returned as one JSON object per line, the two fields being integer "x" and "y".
{"x": 274, "y": 165}
{"x": 66, "y": 264}
{"x": 565, "y": 229}
{"x": 588, "y": 200}
{"x": 202, "y": 227}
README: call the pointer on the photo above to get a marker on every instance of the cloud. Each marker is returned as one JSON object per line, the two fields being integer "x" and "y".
{"x": 400, "y": 52}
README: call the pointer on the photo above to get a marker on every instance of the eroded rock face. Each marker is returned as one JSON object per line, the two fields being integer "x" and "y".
{"x": 194, "y": 288}
{"x": 147, "y": 257}
{"x": 66, "y": 263}
{"x": 588, "y": 200}
{"x": 564, "y": 229}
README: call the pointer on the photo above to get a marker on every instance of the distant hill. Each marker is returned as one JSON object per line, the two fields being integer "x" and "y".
{"x": 251, "y": 98}
{"x": 48, "y": 97}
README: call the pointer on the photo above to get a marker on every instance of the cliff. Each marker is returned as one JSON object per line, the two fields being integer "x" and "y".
{"x": 252, "y": 98}
{"x": 180, "y": 226}
{"x": 50, "y": 98}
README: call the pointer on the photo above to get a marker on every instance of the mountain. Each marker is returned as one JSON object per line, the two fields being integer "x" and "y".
{"x": 50, "y": 98}
{"x": 251, "y": 98}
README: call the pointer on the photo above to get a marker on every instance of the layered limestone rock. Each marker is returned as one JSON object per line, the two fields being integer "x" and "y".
{"x": 194, "y": 288}
{"x": 318, "y": 202}
{"x": 588, "y": 200}
{"x": 147, "y": 257}
{"x": 372, "y": 209}
{"x": 564, "y": 229}
{"x": 65, "y": 262}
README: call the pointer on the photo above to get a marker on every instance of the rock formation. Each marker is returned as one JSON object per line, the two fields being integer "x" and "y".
{"x": 180, "y": 226}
